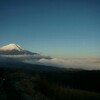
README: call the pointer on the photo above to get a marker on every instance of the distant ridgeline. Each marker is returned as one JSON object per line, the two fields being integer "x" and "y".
{"x": 14, "y": 49}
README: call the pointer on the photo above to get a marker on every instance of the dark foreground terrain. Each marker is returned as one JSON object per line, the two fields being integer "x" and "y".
{"x": 19, "y": 81}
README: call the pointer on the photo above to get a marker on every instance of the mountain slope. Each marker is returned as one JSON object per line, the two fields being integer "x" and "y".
{"x": 15, "y": 53}
{"x": 14, "y": 49}
{"x": 11, "y": 47}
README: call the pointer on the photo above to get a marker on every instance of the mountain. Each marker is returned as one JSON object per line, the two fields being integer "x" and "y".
{"x": 14, "y": 49}
{"x": 15, "y": 53}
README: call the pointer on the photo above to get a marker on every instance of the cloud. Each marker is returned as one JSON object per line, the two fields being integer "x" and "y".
{"x": 24, "y": 57}
{"x": 80, "y": 63}
{"x": 83, "y": 63}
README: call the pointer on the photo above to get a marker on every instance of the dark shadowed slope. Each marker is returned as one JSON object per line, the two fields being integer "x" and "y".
{"x": 10, "y": 90}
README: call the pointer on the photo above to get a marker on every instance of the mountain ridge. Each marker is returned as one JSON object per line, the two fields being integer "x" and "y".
{"x": 14, "y": 49}
{"x": 10, "y": 47}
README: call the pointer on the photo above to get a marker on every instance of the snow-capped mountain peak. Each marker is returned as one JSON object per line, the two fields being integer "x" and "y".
{"x": 14, "y": 49}
{"x": 11, "y": 47}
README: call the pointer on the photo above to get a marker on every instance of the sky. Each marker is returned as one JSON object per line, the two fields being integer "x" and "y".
{"x": 59, "y": 28}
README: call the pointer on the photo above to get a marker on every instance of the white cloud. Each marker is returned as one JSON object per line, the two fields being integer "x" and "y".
{"x": 92, "y": 63}
{"x": 83, "y": 63}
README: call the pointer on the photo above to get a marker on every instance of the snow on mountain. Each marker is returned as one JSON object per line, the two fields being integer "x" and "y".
{"x": 11, "y": 47}
{"x": 14, "y": 49}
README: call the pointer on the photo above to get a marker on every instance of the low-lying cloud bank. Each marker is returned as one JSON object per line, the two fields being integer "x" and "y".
{"x": 83, "y": 63}
{"x": 80, "y": 63}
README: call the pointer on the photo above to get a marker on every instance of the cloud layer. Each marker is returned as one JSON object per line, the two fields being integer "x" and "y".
{"x": 80, "y": 63}
{"x": 83, "y": 63}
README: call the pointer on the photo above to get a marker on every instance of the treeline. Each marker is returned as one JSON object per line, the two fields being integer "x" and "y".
{"x": 50, "y": 85}
{"x": 83, "y": 80}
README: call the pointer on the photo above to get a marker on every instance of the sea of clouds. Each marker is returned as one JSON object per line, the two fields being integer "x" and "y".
{"x": 79, "y": 63}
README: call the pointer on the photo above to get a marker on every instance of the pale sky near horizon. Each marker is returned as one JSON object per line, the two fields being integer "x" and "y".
{"x": 60, "y": 28}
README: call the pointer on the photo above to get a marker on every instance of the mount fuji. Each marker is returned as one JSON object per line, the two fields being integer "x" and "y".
{"x": 14, "y": 52}
{"x": 14, "y": 49}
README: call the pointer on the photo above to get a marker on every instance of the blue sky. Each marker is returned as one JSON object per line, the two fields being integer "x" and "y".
{"x": 61, "y": 28}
